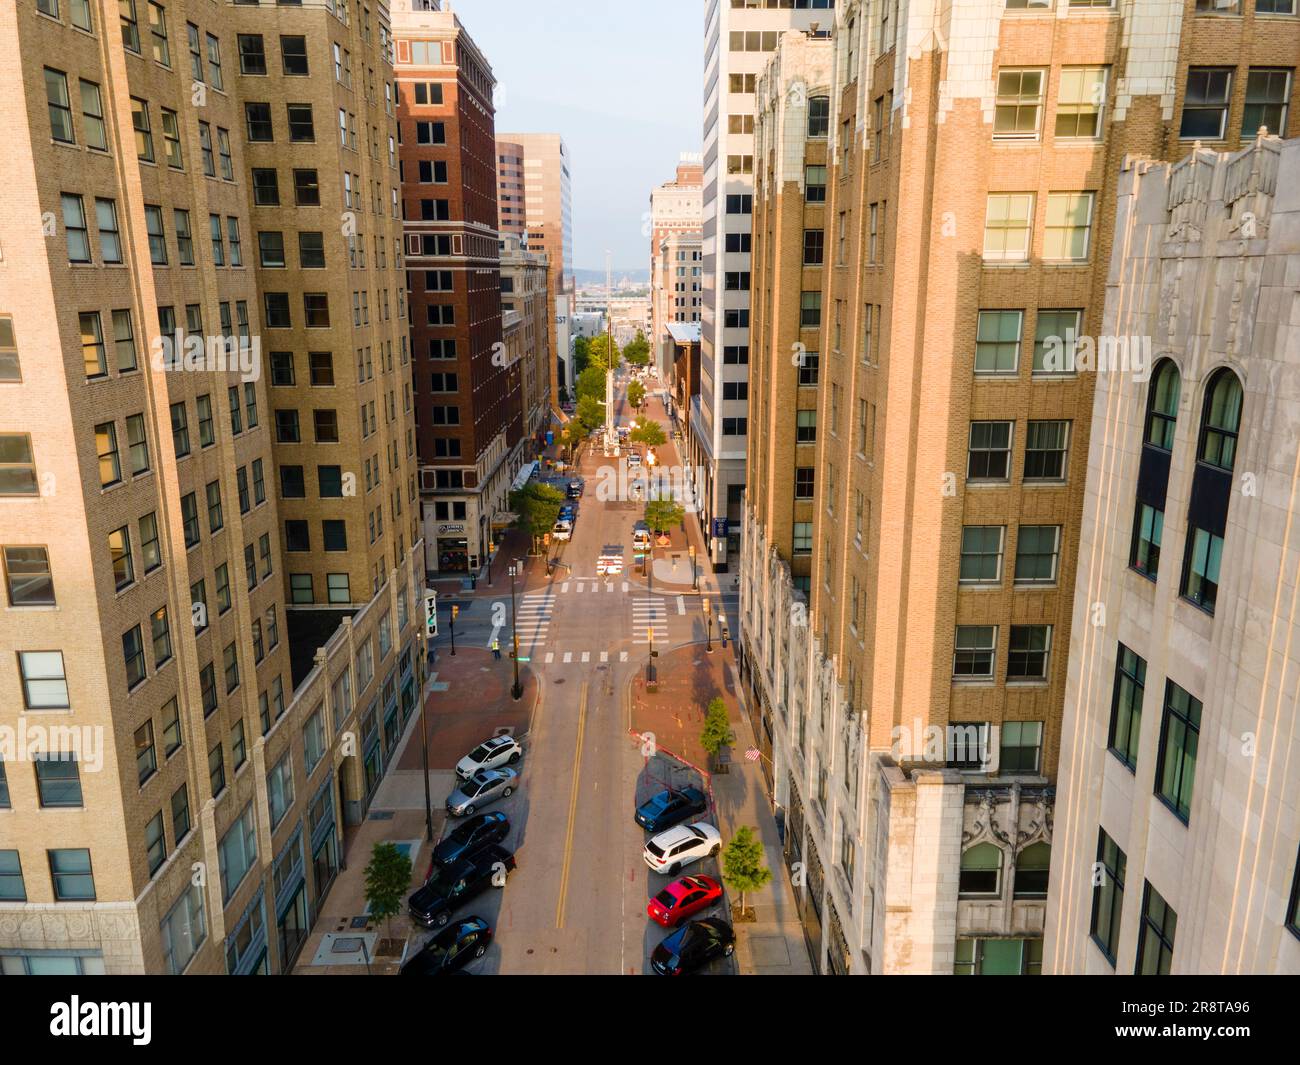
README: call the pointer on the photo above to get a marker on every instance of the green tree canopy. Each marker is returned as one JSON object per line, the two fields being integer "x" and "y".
{"x": 637, "y": 353}
{"x": 388, "y": 878}
{"x": 538, "y": 506}
{"x": 636, "y": 393}
{"x": 591, "y": 413}
{"x": 717, "y": 731}
{"x": 591, "y": 382}
{"x": 648, "y": 432}
{"x": 742, "y": 863}
{"x": 663, "y": 514}
{"x": 581, "y": 354}
{"x": 598, "y": 352}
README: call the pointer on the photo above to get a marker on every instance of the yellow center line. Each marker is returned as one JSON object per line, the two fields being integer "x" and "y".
{"x": 573, "y": 808}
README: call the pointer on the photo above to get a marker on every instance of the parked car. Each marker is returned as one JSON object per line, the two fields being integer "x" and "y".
{"x": 680, "y": 846}
{"x": 490, "y": 754}
{"x": 692, "y": 947}
{"x": 433, "y": 903}
{"x": 471, "y": 834}
{"x": 485, "y": 786}
{"x": 682, "y": 899}
{"x": 568, "y": 512}
{"x": 451, "y": 949}
{"x": 671, "y": 807}
{"x": 575, "y": 489}
{"x": 562, "y": 530}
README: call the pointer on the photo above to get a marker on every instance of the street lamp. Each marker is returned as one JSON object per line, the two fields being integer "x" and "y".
{"x": 708, "y": 622}
{"x": 722, "y": 628}
{"x": 695, "y": 580}
{"x": 517, "y": 691}
{"x": 455, "y": 612}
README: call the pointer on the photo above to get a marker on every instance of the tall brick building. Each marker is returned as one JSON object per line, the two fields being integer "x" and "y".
{"x": 908, "y": 596}
{"x": 468, "y": 395}
{"x": 209, "y": 561}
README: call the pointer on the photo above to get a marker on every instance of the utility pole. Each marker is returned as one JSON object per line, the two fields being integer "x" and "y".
{"x": 610, "y": 434}
{"x": 517, "y": 691}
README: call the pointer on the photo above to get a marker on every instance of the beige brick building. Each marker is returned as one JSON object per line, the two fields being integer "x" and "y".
{"x": 914, "y": 701}
{"x": 1176, "y": 831}
{"x": 525, "y": 323}
{"x": 180, "y": 536}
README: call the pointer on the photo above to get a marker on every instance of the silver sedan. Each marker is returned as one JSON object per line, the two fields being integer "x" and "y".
{"x": 484, "y": 787}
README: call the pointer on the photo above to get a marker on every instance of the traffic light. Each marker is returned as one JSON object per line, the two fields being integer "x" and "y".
{"x": 455, "y": 612}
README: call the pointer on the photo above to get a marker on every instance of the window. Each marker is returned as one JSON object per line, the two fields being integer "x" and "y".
{"x": 301, "y": 126}
{"x": 27, "y": 576}
{"x": 999, "y": 957}
{"x": 1201, "y": 570}
{"x": 236, "y": 246}
{"x": 1055, "y": 336}
{"x": 1028, "y": 652}
{"x": 1221, "y": 421}
{"x": 137, "y": 444}
{"x": 329, "y": 482}
{"x": 337, "y": 588}
{"x": 809, "y": 366}
{"x": 1019, "y": 105}
{"x": 184, "y": 929}
{"x": 1046, "y": 444}
{"x": 58, "y": 781}
{"x": 1205, "y": 104}
{"x": 1156, "y": 935}
{"x": 1079, "y": 102}
{"x": 1268, "y": 93}
{"x": 110, "y": 466}
{"x": 92, "y": 345}
{"x": 802, "y": 538}
{"x": 981, "y": 872}
{"x": 1148, "y": 529}
{"x": 130, "y": 26}
{"x": 997, "y": 341}
{"x": 974, "y": 651}
{"x": 279, "y": 788}
{"x": 45, "y": 685}
{"x": 989, "y": 456}
{"x": 1069, "y": 223}
{"x": 270, "y": 249}
{"x": 153, "y": 224}
{"x": 70, "y": 871}
{"x": 1022, "y": 748}
{"x": 804, "y": 482}
{"x": 1008, "y": 221}
{"x": 92, "y": 117}
{"x": 810, "y": 310}
{"x": 1180, "y": 733}
{"x": 1031, "y": 871}
{"x": 190, "y": 519}
{"x": 17, "y": 468}
{"x": 326, "y": 426}
{"x": 1126, "y": 706}
{"x": 1037, "y": 549}
{"x": 293, "y": 54}
{"x": 12, "y": 888}
{"x": 317, "y": 309}
{"x": 257, "y": 118}
{"x": 237, "y": 851}
{"x": 981, "y": 554}
{"x": 1162, "y": 406}
{"x": 160, "y": 630}
{"x": 819, "y": 116}
{"x": 815, "y": 184}
{"x": 231, "y": 665}
{"x": 60, "y": 108}
{"x": 805, "y": 427}
{"x": 143, "y": 130}
{"x": 1107, "y": 895}
{"x": 275, "y": 308}
{"x": 74, "y": 228}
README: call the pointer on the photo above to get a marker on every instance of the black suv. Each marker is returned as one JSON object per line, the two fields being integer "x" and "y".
{"x": 451, "y": 886}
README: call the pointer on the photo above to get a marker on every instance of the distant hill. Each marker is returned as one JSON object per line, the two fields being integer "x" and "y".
{"x": 597, "y": 277}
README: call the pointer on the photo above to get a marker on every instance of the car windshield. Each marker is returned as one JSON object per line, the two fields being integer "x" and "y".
{"x": 665, "y": 899}
{"x": 697, "y": 833}
{"x": 480, "y": 752}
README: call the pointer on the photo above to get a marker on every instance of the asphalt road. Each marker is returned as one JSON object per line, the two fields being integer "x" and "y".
{"x": 576, "y": 903}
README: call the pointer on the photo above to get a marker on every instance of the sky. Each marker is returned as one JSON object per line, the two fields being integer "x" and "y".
{"x": 621, "y": 81}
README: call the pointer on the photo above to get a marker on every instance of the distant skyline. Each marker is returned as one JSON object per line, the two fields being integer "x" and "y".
{"x": 637, "y": 78}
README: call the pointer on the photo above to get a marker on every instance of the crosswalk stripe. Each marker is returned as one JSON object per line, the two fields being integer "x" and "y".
{"x": 625, "y": 587}
{"x": 681, "y": 604}
{"x": 550, "y": 657}
{"x": 568, "y": 657}
{"x": 604, "y": 656}
{"x": 622, "y": 656}
{"x": 564, "y": 587}
{"x": 586, "y": 656}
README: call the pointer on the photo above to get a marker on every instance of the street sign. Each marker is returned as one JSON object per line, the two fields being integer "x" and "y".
{"x": 719, "y": 528}
{"x": 431, "y": 612}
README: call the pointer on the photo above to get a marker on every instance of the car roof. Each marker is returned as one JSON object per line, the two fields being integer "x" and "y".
{"x": 676, "y": 834}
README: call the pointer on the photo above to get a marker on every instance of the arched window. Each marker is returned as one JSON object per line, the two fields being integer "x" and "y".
{"x": 981, "y": 871}
{"x": 1221, "y": 420}
{"x": 1031, "y": 871}
{"x": 1162, "y": 405}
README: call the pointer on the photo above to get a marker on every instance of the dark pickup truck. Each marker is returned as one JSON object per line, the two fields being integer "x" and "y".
{"x": 453, "y": 885}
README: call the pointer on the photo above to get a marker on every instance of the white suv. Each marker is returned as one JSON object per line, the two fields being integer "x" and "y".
{"x": 679, "y": 846}
{"x": 490, "y": 754}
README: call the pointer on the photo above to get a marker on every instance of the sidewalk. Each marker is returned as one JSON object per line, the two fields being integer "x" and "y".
{"x": 772, "y": 944}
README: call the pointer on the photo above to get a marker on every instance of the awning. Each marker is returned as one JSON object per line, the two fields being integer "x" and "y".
{"x": 523, "y": 476}
{"x": 504, "y": 519}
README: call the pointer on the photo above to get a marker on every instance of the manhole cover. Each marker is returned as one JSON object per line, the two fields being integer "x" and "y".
{"x": 560, "y": 680}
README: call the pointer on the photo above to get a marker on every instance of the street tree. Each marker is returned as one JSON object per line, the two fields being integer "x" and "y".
{"x": 648, "y": 432}
{"x": 599, "y": 353}
{"x": 661, "y": 514}
{"x": 636, "y": 394}
{"x": 388, "y": 879}
{"x": 637, "y": 353}
{"x": 591, "y": 413}
{"x": 581, "y": 354}
{"x": 717, "y": 732}
{"x": 591, "y": 382}
{"x": 742, "y": 864}
{"x": 538, "y": 507}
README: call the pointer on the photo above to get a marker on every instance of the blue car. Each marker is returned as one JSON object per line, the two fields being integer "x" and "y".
{"x": 671, "y": 807}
